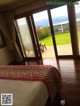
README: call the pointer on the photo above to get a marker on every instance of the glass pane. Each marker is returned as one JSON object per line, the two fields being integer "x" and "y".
{"x": 77, "y": 12}
{"x": 61, "y": 30}
{"x": 44, "y": 35}
{"x": 25, "y": 37}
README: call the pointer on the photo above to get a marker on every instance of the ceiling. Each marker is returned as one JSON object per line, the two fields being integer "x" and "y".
{"x": 7, "y": 2}
{"x": 6, "y": 5}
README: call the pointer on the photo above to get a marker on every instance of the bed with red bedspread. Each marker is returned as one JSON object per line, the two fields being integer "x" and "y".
{"x": 46, "y": 75}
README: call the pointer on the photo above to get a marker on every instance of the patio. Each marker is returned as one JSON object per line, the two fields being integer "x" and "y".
{"x": 62, "y": 50}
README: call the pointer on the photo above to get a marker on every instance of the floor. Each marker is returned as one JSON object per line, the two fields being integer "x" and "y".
{"x": 70, "y": 72}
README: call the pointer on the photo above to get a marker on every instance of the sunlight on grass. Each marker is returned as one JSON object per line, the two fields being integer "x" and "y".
{"x": 61, "y": 39}
{"x": 47, "y": 41}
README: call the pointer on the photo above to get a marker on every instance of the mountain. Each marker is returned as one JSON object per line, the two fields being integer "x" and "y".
{"x": 55, "y": 20}
{"x": 43, "y": 22}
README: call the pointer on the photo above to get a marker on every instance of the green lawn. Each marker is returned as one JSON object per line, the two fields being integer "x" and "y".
{"x": 61, "y": 39}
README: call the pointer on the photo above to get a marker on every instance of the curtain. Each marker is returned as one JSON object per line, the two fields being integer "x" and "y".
{"x": 10, "y": 34}
{"x": 4, "y": 30}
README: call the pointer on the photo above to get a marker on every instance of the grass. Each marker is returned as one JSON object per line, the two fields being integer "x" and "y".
{"x": 47, "y": 41}
{"x": 61, "y": 39}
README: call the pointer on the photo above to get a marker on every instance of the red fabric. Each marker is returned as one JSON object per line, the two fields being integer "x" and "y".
{"x": 45, "y": 73}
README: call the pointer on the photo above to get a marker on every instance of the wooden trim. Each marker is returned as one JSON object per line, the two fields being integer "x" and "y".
{"x": 68, "y": 57}
{"x": 32, "y": 58}
{"x": 73, "y": 30}
{"x": 52, "y": 32}
{"x": 32, "y": 36}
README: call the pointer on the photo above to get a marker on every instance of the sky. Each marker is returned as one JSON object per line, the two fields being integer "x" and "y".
{"x": 60, "y": 11}
{"x": 54, "y": 12}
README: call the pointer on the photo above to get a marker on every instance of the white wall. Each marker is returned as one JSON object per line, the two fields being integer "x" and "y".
{"x": 6, "y": 56}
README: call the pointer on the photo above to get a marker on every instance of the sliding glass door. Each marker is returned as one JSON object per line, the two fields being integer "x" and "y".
{"x": 61, "y": 28}
{"x": 25, "y": 37}
{"x": 52, "y": 30}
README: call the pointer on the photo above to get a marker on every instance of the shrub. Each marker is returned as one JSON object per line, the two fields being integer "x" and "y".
{"x": 43, "y": 33}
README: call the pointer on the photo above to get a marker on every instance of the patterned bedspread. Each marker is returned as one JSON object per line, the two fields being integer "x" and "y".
{"x": 45, "y": 73}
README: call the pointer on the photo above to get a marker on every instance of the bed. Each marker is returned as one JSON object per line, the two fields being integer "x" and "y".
{"x": 30, "y": 85}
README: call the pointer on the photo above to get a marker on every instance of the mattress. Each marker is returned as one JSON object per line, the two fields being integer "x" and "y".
{"x": 25, "y": 93}
{"x": 46, "y": 74}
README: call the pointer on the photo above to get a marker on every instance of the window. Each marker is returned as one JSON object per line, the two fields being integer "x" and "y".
{"x": 25, "y": 37}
